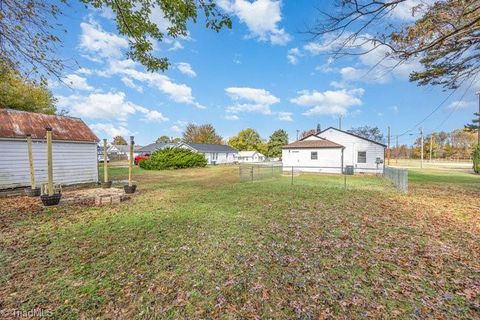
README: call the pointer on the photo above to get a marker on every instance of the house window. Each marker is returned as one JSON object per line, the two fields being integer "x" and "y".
{"x": 362, "y": 157}
{"x": 214, "y": 156}
{"x": 314, "y": 155}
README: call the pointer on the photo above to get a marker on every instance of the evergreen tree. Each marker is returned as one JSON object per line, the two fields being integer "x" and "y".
{"x": 277, "y": 140}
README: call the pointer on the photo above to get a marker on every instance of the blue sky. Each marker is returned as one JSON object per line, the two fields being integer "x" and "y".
{"x": 265, "y": 73}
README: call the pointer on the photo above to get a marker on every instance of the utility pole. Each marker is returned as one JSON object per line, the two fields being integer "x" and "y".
{"x": 431, "y": 146}
{"x": 340, "y": 122}
{"x": 397, "y": 151}
{"x": 297, "y": 133}
{"x": 388, "y": 146}
{"x": 421, "y": 152}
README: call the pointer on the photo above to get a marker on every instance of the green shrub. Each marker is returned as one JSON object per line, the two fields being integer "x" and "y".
{"x": 173, "y": 158}
{"x": 476, "y": 159}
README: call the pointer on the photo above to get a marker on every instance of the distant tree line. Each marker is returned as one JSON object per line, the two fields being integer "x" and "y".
{"x": 246, "y": 140}
{"x": 457, "y": 144}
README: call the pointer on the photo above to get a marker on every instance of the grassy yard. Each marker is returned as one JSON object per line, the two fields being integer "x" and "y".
{"x": 199, "y": 244}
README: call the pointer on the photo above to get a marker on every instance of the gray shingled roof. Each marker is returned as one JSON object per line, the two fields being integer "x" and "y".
{"x": 200, "y": 147}
{"x": 152, "y": 147}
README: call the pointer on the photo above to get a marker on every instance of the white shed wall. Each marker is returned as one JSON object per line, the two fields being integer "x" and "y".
{"x": 73, "y": 163}
{"x": 329, "y": 160}
{"x": 354, "y": 144}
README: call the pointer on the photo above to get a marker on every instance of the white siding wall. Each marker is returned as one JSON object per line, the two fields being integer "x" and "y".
{"x": 352, "y": 145}
{"x": 329, "y": 160}
{"x": 73, "y": 163}
{"x": 222, "y": 157}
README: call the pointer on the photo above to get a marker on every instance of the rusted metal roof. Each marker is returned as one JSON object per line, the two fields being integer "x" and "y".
{"x": 18, "y": 124}
{"x": 311, "y": 144}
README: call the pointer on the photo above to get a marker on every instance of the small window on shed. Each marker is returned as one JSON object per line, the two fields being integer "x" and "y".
{"x": 362, "y": 157}
{"x": 314, "y": 155}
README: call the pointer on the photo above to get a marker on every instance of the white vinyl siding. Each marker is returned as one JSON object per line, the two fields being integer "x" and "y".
{"x": 73, "y": 163}
{"x": 329, "y": 160}
{"x": 352, "y": 146}
{"x": 219, "y": 157}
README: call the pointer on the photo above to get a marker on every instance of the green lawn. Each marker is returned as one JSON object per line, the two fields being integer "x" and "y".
{"x": 199, "y": 244}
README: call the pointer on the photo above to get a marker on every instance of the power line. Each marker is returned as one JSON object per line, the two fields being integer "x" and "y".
{"x": 430, "y": 114}
{"x": 458, "y": 104}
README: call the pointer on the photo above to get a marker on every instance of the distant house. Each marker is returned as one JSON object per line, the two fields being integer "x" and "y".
{"x": 123, "y": 150}
{"x": 214, "y": 153}
{"x": 250, "y": 156}
{"x": 74, "y": 149}
{"x": 331, "y": 150}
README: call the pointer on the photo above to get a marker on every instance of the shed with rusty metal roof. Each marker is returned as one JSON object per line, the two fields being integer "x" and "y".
{"x": 74, "y": 149}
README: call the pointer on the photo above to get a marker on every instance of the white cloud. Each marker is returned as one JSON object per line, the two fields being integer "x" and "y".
{"x": 410, "y": 10}
{"x": 327, "y": 44}
{"x": 95, "y": 41}
{"x": 372, "y": 75}
{"x": 84, "y": 71}
{"x": 328, "y": 102}
{"x": 394, "y": 109}
{"x": 111, "y": 130}
{"x": 293, "y": 55}
{"x": 232, "y": 117}
{"x": 376, "y": 62}
{"x": 180, "y": 93}
{"x": 261, "y": 17}
{"x": 129, "y": 83}
{"x": 157, "y": 16}
{"x": 285, "y": 116}
{"x": 326, "y": 67}
{"x": 154, "y": 116}
{"x": 176, "y": 46}
{"x": 250, "y": 100}
{"x": 186, "y": 69}
{"x": 460, "y": 104}
{"x": 176, "y": 128}
{"x": 111, "y": 105}
{"x": 77, "y": 82}
{"x": 179, "y": 126}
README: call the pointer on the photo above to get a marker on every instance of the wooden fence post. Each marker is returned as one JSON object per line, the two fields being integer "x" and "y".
{"x": 49, "y": 161}
{"x": 30, "y": 161}
{"x": 105, "y": 162}
{"x": 130, "y": 167}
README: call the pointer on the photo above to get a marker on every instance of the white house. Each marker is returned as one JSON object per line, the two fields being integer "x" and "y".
{"x": 214, "y": 153}
{"x": 250, "y": 156}
{"x": 313, "y": 154}
{"x": 74, "y": 149}
{"x": 331, "y": 150}
{"x": 122, "y": 150}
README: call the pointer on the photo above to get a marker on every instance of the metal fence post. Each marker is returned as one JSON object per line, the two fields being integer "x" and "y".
{"x": 251, "y": 172}
{"x": 345, "y": 181}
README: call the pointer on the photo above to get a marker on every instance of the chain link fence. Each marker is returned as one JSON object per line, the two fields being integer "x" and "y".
{"x": 315, "y": 176}
{"x": 259, "y": 171}
{"x": 399, "y": 177}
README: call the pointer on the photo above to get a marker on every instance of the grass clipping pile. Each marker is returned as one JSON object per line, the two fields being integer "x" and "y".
{"x": 174, "y": 158}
